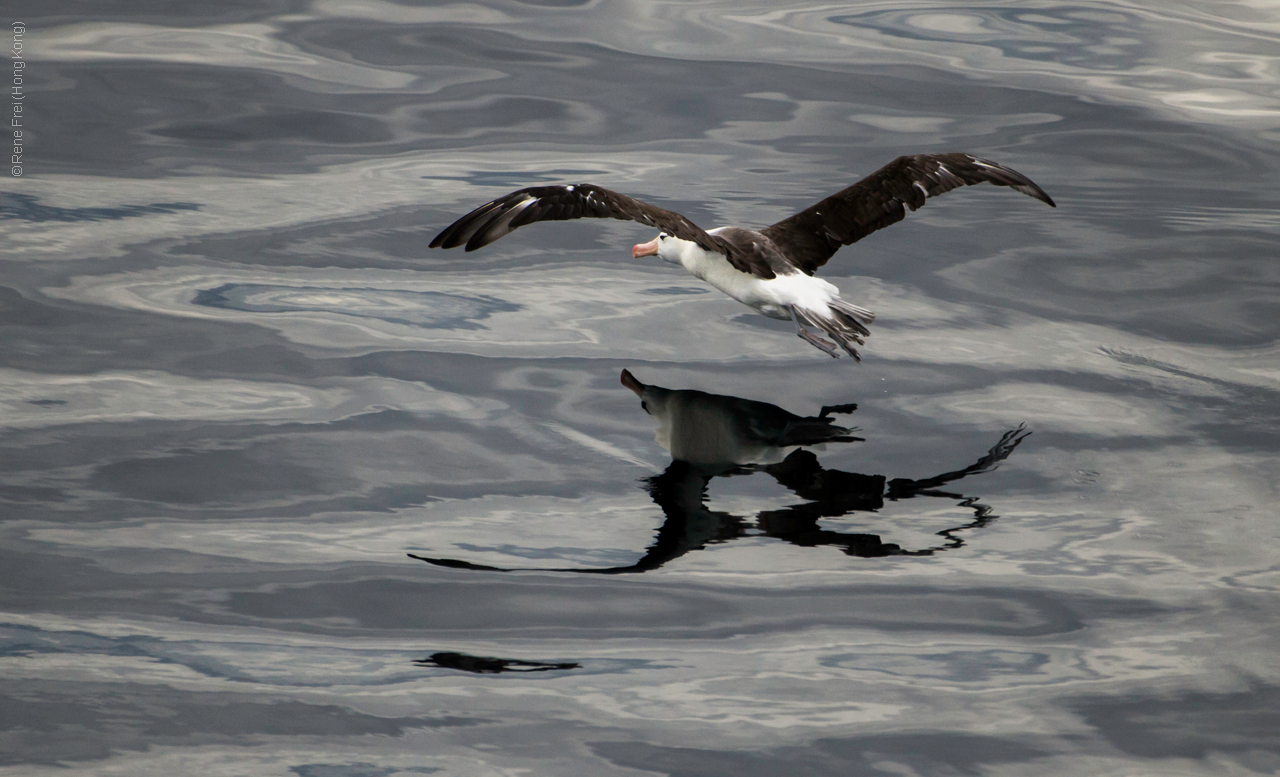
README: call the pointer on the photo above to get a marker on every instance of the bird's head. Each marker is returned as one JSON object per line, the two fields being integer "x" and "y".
{"x": 636, "y": 386}
{"x": 652, "y": 398}
{"x": 663, "y": 246}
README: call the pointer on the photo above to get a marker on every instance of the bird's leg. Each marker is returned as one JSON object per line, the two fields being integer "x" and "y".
{"x": 826, "y": 347}
{"x": 849, "y": 349}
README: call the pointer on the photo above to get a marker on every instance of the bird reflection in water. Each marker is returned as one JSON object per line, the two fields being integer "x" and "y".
{"x": 711, "y": 435}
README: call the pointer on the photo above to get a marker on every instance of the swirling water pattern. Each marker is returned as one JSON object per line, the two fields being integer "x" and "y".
{"x": 238, "y": 392}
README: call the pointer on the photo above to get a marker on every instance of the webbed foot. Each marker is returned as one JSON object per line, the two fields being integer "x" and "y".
{"x": 827, "y": 347}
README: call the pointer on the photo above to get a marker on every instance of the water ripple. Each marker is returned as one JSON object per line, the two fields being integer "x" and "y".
{"x": 427, "y": 309}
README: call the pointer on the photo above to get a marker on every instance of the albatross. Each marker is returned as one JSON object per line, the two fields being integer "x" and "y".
{"x": 770, "y": 270}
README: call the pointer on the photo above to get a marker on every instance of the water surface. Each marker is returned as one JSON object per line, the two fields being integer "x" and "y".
{"x": 243, "y": 402}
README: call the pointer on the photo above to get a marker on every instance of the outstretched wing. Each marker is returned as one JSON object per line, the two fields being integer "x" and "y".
{"x": 494, "y": 219}
{"x": 813, "y": 235}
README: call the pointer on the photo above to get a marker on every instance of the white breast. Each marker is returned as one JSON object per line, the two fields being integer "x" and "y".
{"x": 769, "y": 297}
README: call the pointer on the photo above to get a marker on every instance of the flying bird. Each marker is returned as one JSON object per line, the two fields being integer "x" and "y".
{"x": 770, "y": 270}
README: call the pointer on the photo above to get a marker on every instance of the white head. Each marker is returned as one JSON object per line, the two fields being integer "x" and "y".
{"x": 664, "y": 246}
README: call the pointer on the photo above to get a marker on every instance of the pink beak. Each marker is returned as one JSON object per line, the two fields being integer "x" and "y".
{"x": 645, "y": 249}
{"x": 630, "y": 382}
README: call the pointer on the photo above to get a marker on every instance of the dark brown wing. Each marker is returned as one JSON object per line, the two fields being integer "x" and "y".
{"x": 492, "y": 220}
{"x": 813, "y": 235}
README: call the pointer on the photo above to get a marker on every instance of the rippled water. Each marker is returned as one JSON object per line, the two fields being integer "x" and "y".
{"x": 287, "y": 493}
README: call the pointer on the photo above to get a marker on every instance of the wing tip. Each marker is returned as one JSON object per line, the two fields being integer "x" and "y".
{"x": 447, "y": 239}
{"x": 1032, "y": 190}
{"x": 1019, "y": 182}
{"x": 482, "y": 238}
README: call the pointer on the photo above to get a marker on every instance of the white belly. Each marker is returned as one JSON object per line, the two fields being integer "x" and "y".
{"x": 770, "y": 297}
{"x": 807, "y": 300}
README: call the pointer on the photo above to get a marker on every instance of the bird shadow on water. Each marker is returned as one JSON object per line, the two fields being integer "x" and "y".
{"x": 713, "y": 435}
{"x": 489, "y": 665}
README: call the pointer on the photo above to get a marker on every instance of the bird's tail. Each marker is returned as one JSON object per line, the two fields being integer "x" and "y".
{"x": 844, "y": 323}
{"x": 859, "y": 315}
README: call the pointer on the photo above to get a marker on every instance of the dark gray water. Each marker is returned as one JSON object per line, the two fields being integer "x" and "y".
{"x": 238, "y": 391}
